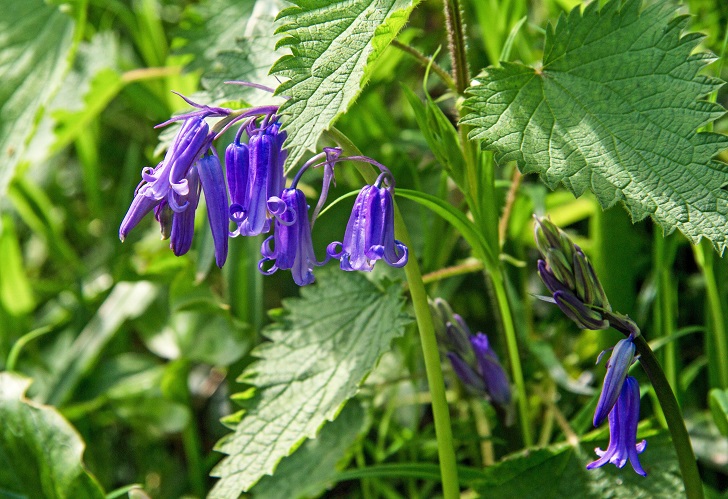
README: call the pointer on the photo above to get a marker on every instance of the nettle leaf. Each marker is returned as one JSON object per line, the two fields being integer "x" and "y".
{"x": 333, "y": 46}
{"x": 320, "y": 351}
{"x": 560, "y": 471}
{"x": 614, "y": 110}
{"x": 313, "y": 467}
{"x": 40, "y": 452}
{"x": 36, "y": 42}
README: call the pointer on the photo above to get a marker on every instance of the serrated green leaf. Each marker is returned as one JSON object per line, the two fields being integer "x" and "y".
{"x": 319, "y": 353}
{"x": 40, "y": 452}
{"x": 614, "y": 110}
{"x": 560, "y": 471}
{"x": 312, "y": 468}
{"x": 36, "y": 40}
{"x": 333, "y": 45}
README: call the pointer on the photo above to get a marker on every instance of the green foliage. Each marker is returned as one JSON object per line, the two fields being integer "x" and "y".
{"x": 333, "y": 48}
{"x": 40, "y": 452}
{"x": 35, "y": 49}
{"x": 560, "y": 471}
{"x": 614, "y": 110}
{"x": 719, "y": 407}
{"x": 320, "y": 351}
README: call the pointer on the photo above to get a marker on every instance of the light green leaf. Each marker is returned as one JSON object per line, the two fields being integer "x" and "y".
{"x": 249, "y": 59}
{"x": 312, "y": 468}
{"x": 333, "y": 46}
{"x": 40, "y": 452}
{"x": 16, "y": 294}
{"x": 560, "y": 471}
{"x": 36, "y": 42}
{"x": 719, "y": 407}
{"x": 614, "y": 110}
{"x": 320, "y": 351}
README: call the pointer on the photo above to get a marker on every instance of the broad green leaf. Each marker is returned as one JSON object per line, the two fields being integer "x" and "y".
{"x": 40, "y": 452}
{"x": 333, "y": 46}
{"x": 615, "y": 109}
{"x": 36, "y": 44}
{"x": 312, "y": 468}
{"x": 320, "y": 351}
{"x": 560, "y": 471}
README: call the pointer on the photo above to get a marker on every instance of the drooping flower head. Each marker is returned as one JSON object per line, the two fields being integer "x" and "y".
{"x": 369, "y": 234}
{"x": 290, "y": 247}
{"x": 172, "y": 187}
{"x": 617, "y": 368}
{"x": 623, "y": 420}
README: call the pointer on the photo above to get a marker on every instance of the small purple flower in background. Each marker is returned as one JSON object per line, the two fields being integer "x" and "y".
{"x": 623, "y": 421}
{"x": 292, "y": 247}
{"x": 474, "y": 361}
{"x": 617, "y": 367}
{"x": 369, "y": 234}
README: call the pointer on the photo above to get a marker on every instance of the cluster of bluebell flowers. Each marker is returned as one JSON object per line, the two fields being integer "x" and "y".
{"x": 472, "y": 358}
{"x": 570, "y": 278}
{"x": 252, "y": 195}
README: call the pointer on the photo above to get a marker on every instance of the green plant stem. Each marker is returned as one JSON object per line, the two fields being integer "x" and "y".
{"x": 704, "y": 257}
{"x": 675, "y": 422}
{"x": 426, "y": 61}
{"x": 664, "y": 304}
{"x": 515, "y": 361}
{"x": 433, "y": 367}
{"x": 456, "y": 43}
{"x": 20, "y": 344}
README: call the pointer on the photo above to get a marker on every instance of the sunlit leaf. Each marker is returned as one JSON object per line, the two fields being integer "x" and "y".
{"x": 615, "y": 109}
{"x": 36, "y": 42}
{"x": 333, "y": 46}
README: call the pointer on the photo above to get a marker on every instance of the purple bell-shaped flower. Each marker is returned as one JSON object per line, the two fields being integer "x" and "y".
{"x": 369, "y": 234}
{"x": 291, "y": 247}
{"x": 623, "y": 420}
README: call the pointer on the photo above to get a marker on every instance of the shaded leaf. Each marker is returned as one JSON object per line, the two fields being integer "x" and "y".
{"x": 319, "y": 353}
{"x": 560, "y": 471}
{"x": 312, "y": 468}
{"x": 615, "y": 109}
{"x": 40, "y": 452}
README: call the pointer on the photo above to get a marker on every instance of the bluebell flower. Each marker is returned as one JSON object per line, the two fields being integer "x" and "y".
{"x": 213, "y": 185}
{"x": 290, "y": 246}
{"x": 491, "y": 371}
{"x": 172, "y": 188}
{"x": 617, "y": 368}
{"x": 623, "y": 420}
{"x": 237, "y": 167}
{"x": 183, "y": 215}
{"x": 265, "y": 179}
{"x": 369, "y": 234}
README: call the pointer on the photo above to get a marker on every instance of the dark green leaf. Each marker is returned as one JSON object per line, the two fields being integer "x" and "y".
{"x": 40, "y": 452}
